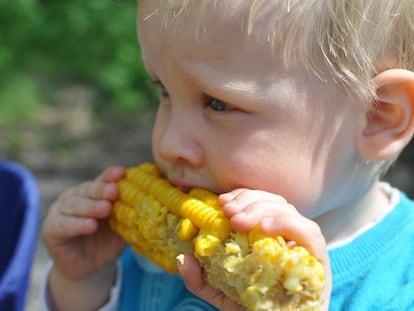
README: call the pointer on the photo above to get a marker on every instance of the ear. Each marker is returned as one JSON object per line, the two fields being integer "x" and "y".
{"x": 389, "y": 123}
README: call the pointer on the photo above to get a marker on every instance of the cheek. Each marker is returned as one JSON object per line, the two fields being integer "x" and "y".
{"x": 298, "y": 183}
{"x": 258, "y": 164}
{"x": 291, "y": 169}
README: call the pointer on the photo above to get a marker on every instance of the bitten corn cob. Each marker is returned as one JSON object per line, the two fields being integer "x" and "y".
{"x": 260, "y": 272}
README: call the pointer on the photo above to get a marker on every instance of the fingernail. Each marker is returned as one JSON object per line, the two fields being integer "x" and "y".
{"x": 230, "y": 204}
{"x": 240, "y": 215}
{"x": 225, "y": 196}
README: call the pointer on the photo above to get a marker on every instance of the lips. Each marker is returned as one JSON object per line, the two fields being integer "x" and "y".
{"x": 184, "y": 187}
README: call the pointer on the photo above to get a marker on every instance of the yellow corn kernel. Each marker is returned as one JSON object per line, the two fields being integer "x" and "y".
{"x": 206, "y": 244}
{"x": 187, "y": 231}
{"x": 207, "y": 197}
{"x": 259, "y": 272}
{"x": 179, "y": 203}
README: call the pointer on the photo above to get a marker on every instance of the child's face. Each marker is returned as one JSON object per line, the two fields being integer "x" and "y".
{"x": 232, "y": 116}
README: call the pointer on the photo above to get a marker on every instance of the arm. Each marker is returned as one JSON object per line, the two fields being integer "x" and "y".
{"x": 89, "y": 293}
{"x": 83, "y": 247}
{"x": 247, "y": 209}
{"x": 111, "y": 305}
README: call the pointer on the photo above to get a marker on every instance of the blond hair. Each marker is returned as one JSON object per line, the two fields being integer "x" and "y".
{"x": 347, "y": 41}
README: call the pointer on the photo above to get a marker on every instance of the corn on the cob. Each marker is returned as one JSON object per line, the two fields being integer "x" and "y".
{"x": 260, "y": 272}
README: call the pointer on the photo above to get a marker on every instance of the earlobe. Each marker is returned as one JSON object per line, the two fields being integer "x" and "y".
{"x": 389, "y": 123}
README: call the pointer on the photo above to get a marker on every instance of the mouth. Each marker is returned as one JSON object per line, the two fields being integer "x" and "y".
{"x": 184, "y": 187}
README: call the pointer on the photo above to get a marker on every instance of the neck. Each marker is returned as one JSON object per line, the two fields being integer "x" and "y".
{"x": 342, "y": 223}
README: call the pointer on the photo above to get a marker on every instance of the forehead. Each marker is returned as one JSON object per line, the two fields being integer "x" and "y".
{"x": 222, "y": 28}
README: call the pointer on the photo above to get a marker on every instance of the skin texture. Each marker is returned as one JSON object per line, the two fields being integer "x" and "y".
{"x": 285, "y": 151}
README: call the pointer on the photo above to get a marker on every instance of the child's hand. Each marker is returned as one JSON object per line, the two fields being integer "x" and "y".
{"x": 247, "y": 209}
{"x": 75, "y": 229}
{"x": 276, "y": 217}
{"x": 192, "y": 274}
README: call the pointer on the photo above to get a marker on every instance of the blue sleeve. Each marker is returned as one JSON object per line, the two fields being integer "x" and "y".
{"x": 151, "y": 289}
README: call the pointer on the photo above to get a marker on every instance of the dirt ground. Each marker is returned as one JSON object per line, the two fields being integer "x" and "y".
{"x": 69, "y": 143}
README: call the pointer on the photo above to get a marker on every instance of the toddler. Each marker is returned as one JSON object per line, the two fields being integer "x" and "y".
{"x": 291, "y": 110}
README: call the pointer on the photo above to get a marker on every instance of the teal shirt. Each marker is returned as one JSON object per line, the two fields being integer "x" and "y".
{"x": 376, "y": 270}
{"x": 373, "y": 272}
{"x": 146, "y": 287}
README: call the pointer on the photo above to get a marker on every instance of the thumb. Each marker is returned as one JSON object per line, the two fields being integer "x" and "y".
{"x": 192, "y": 274}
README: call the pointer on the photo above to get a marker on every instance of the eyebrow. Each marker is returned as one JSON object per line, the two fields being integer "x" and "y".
{"x": 220, "y": 85}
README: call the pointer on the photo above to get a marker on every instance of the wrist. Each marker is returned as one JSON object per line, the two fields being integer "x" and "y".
{"x": 89, "y": 293}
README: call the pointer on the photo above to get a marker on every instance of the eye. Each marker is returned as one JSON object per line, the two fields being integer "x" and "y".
{"x": 217, "y": 105}
{"x": 163, "y": 90}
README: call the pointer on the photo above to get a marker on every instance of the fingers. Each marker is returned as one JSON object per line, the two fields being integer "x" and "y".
{"x": 68, "y": 227}
{"x": 303, "y": 231}
{"x": 235, "y": 201}
{"x": 89, "y": 199}
{"x": 246, "y": 208}
{"x": 276, "y": 217}
{"x": 103, "y": 187}
{"x": 78, "y": 210}
{"x": 96, "y": 190}
{"x": 85, "y": 207}
{"x": 193, "y": 278}
{"x": 75, "y": 216}
{"x": 92, "y": 196}
{"x": 112, "y": 174}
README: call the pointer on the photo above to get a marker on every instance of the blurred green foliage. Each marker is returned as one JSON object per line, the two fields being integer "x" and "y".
{"x": 45, "y": 44}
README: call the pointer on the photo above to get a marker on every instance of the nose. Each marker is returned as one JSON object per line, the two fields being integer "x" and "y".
{"x": 178, "y": 141}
